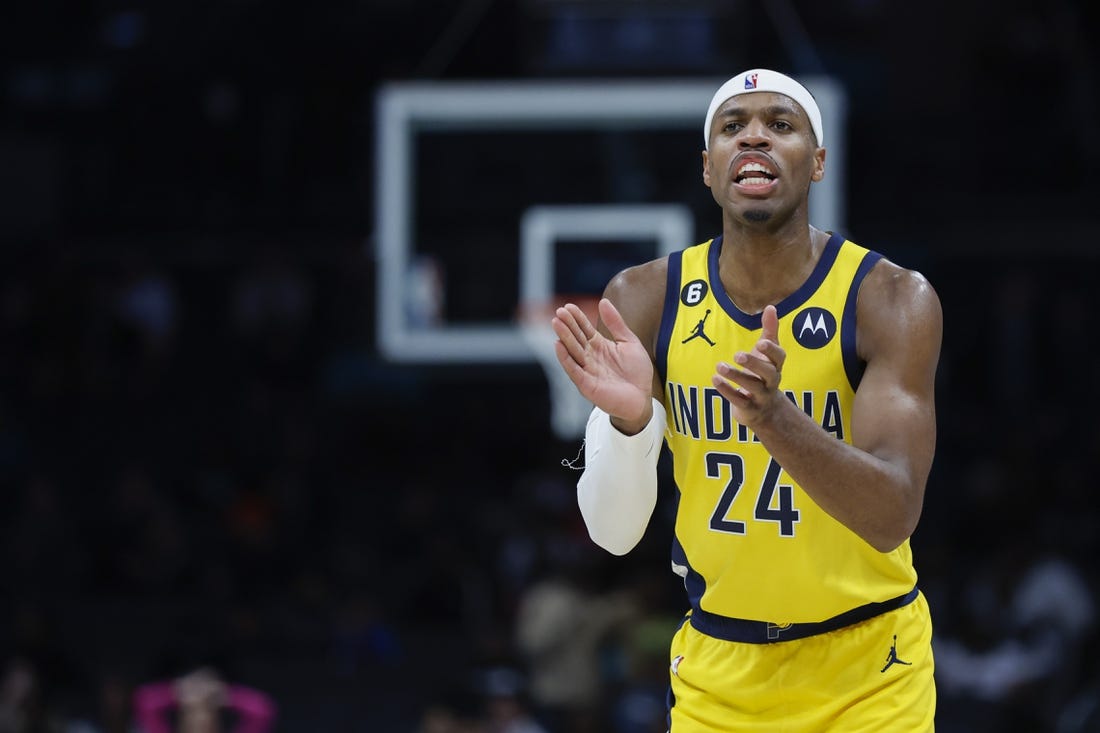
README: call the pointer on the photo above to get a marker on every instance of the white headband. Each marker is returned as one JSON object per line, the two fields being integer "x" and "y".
{"x": 764, "y": 80}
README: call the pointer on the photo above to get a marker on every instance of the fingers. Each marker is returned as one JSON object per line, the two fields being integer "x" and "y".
{"x": 734, "y": 394}
{"x": 770, "y": 351}
{"x": 586, "y": 326}
{"x": 573, "y": 330}
{"x": 573, "y": 368}
{"x": 749, "y": 382}
{"x": 753, "y": 380}
{"x": 575, "y": 319}
{"x": 769, "y": 321}
{"x": 767, "y": 357}
{"x": 755, "y": 374}
{"x": 571, "y": 317}
{"x": 570, "y": 336}
{"x": 765, "y": 360}
{"x": 616, "y": 326}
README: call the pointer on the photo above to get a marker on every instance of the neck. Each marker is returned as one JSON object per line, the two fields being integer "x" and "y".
{"x": 760, "y": 265}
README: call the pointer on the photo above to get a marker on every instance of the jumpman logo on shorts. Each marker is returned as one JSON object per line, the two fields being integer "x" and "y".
{"x": 697, "y": 332}
{"x": 892, "y": 657}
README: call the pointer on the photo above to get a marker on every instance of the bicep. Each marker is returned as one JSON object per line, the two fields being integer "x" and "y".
{"x": 894, "y": 414}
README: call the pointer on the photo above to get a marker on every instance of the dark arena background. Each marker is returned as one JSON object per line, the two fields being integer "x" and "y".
{"x": 268, "y": 407}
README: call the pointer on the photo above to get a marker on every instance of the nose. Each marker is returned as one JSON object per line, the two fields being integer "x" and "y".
{"x": 754, "y": 135}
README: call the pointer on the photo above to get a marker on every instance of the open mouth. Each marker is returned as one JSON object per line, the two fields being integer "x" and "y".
{"x": 754, "y": 174}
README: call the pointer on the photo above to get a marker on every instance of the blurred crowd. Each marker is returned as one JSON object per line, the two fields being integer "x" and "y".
{"x": 206, "y": 468}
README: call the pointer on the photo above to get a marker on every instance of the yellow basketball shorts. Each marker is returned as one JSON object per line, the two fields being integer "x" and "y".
{"x": 870, "y": 677}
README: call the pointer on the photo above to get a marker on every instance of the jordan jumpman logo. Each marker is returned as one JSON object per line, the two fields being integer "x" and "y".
{"x": 698, "y": 332}
{"x": 892, "y": 657}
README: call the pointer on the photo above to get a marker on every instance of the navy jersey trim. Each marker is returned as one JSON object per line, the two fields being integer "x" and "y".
{"x": 853, "y": 365}
{"x": 694, "y": 583}
{"x": 668, "y": 315}
{"x": 765, "y": 632}
{"x": 783, "y": 307}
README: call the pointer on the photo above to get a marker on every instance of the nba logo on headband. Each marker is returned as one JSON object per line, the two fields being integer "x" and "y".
{"x": 750, "y": 81}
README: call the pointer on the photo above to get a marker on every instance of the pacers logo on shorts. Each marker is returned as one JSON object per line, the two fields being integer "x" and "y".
{"x": 774, "y": 630}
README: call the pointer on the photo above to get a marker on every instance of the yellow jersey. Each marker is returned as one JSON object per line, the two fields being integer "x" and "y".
{"x": 749, "y": 542}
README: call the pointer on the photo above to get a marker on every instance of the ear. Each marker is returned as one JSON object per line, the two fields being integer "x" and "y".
{"x": 706, "y": 169}
{"x": 819, "y": 165}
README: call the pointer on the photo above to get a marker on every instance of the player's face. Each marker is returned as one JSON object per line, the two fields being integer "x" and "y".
{"x": 762, "y": 157}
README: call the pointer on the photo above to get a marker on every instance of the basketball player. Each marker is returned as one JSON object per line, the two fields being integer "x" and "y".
{"x": 791, "y": 373}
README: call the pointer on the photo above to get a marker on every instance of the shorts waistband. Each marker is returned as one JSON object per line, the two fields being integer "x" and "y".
{"x": 766, "y": 632}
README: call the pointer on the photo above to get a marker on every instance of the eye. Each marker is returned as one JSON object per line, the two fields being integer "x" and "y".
{"x": 732, "y": 126}
{"x": 782, "y": 125}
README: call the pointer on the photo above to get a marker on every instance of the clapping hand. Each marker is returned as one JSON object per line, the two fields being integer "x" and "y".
{"x": 616, "y": 373}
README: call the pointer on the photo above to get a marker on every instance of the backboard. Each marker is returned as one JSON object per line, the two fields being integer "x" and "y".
{"x": 484, "y": 190}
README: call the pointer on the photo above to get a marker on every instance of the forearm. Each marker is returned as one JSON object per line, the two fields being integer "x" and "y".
{"x": 873, "y": 497}
{"x": 618, "y": 489}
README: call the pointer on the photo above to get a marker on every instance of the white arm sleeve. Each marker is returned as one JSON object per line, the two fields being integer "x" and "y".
{"x": 618, "y": 489}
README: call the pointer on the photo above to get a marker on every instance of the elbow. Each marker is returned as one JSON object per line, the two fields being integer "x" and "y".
{"x": 616, "y": 523}
{"x": 615, "y": 543}
{"x": 614, "y": 537}
{"x": 886, "y": 543}
{"x": 896, "y": 519}
{"x": 888, "y": 538}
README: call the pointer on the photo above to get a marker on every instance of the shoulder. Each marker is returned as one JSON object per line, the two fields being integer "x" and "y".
{"x": 639, "y": 294}
{"x": 645, "y": 276}
{"x": 897, "y": 305}
{"x": 890, "y": 285}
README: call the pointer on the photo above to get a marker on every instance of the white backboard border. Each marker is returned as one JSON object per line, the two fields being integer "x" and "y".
{"x": 404, "y": 109}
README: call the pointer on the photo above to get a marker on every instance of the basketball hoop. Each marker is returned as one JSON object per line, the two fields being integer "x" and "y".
{"x": 569, "y": 410}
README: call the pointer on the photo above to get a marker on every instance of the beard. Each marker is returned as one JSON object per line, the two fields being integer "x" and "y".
{"x": 757, "y": 215}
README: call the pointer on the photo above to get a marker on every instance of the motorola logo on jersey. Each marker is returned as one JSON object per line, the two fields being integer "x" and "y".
{"x": 813, "y": 327}
{"x": 694, "y": 292}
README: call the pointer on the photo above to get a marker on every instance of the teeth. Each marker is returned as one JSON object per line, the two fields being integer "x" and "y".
{"x": 755, "y": 181}
{"x": 751, "y": 167}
